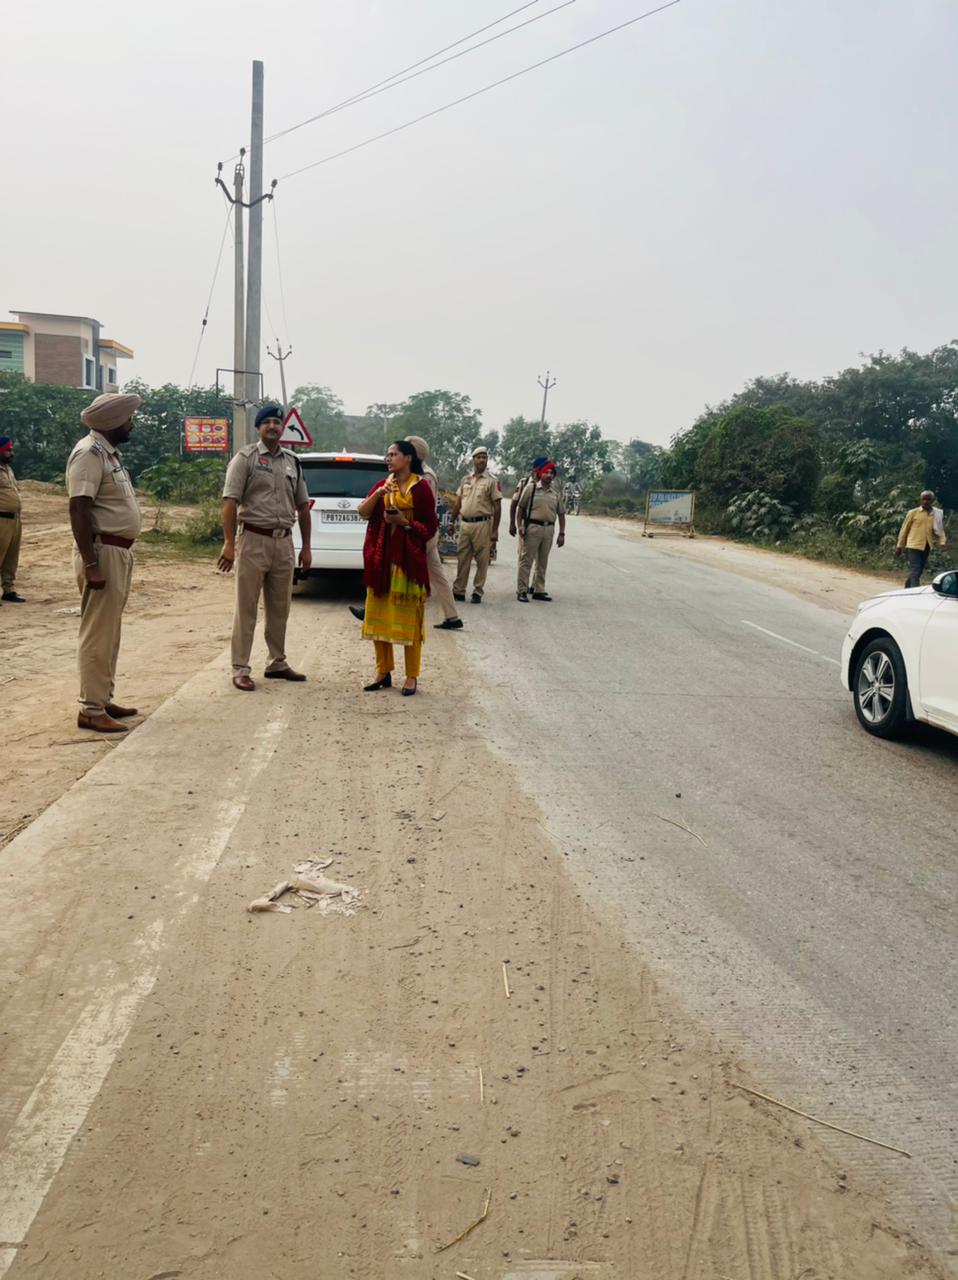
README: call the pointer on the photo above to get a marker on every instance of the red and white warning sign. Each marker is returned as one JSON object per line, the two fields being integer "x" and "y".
{"x": 294, "y": 430}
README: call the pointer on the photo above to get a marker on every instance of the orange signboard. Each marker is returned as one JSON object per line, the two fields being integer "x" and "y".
{"x": 206, "y": 435}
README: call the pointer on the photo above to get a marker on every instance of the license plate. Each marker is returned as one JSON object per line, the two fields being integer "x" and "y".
{"x": 341, "y": 517}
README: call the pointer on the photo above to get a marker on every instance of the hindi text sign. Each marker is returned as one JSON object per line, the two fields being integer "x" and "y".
{"x": 206, "y": 435}
{"x": 670, "y": 509}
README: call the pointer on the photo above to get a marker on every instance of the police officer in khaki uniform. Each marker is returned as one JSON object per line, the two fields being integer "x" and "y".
{"x": 9, "y": 525}
{"x": 538, "y": 509}
{"x": 264, "y": 492}
{"x": 105, "y": 518}
{"x": 479, "y": 507}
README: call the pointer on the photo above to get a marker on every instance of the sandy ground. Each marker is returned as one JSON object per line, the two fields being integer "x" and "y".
{"x": 178, "y": 618}
{"x": 294, "y": 1095}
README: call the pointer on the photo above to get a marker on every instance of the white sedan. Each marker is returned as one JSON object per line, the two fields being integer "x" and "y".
{"x": 900, "y": 658}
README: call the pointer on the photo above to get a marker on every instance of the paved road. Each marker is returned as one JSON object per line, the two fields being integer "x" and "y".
{"x": 810, "y": 920}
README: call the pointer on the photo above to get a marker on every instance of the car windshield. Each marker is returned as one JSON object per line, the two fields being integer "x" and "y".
{"x": 331, "y": 479}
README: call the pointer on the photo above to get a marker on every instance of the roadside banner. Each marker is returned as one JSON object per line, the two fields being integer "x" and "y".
{"x": 294, "y": 430}
{"x": 206, "y": 435}
{"x": 670, "y": 509}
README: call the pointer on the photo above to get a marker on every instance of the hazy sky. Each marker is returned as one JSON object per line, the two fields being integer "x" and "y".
{"x": 730, "y": 188}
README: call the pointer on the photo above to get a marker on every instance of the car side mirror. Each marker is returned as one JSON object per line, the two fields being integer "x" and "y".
{"x": 946, "y": 584}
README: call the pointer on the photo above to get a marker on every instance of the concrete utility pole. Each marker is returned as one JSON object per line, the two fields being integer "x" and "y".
{"x": 281, "y": 359}
{"x": 239, "y": 310}
{"x": 254, "y": 277}
{"x": 546, "y": 388}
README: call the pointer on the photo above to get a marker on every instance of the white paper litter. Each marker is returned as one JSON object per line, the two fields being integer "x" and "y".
{"x": 313, "y": 888}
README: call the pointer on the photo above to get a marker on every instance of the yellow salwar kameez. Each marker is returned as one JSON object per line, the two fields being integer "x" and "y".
{"x": 399, "y": 617}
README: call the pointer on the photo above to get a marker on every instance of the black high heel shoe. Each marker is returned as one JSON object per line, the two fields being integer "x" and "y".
{"x": 384, "y": 682}
{"x": 408, "y": 693}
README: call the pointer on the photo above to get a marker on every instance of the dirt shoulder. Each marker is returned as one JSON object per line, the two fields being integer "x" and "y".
{"x": 178, "y": 618}
{"x": 832, "y": 586}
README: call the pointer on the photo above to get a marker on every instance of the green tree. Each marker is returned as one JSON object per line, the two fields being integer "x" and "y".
{"x": 43, "y": 420}
{"x": 522, "y": 440}
{"x": 765, "y": 450}
{"x": 322, "y": 414}
{"x": 578, "y": 449}
{"x": 642, "y": 464}
{"x": 448, "y": 423}
{"x": 680, "y": 461}
{"x": 159, "y": 422}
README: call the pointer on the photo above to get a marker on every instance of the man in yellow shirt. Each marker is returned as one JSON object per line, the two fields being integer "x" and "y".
{"x": 922, "y": 528}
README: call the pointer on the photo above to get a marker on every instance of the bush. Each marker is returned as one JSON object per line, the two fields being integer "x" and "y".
{"x": 759, "y": 516}
{"x": 175, "y": 479}
{"x": 205, "y": 525}
{"x": 875, "y": 521}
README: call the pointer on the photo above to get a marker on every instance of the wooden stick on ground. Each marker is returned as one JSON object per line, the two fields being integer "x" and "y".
{"x": 505, "y": 983}
{"x": 827, "y": 1123}
{"x": 472, "y": 1226}
{"x": 461, "y": 1275}
{"x": 682, "y": 827}
{"x": 482, "y": 1088}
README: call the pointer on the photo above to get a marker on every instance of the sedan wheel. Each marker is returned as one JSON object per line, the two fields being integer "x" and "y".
{"x": 880, "y": 689}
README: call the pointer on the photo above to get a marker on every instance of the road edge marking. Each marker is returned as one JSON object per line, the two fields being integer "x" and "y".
{"x": 794, "y": 643}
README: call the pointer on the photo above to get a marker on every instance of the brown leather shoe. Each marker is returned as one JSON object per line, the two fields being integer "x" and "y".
{"x": 245, "y": 683}
{"x": 101, "y": 724}
{"x": 287, "y": 673}
{"x": 120, "y": 713}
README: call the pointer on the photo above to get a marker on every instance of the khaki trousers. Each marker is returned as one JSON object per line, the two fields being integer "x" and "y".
{"x": 263, "y": 565}
{"x": 475, "y": 543}
{"x": 438, "y": 582}
{"x": 9, "y": 551}
{"x": 536, "y": 546}
{"x": 101, "y": 613}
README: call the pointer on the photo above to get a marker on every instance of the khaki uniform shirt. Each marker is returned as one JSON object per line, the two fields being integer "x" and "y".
{"x": 547, "y": 504}
{"x": 268, "y": 487}
{"x": 478, "y": 495}
{"x": 94, "y": 470}
{"x": 918, "y": 530}
{"x": 9, "y": 493}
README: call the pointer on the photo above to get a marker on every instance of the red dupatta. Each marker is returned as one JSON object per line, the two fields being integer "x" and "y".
{"x": 406, "y": 548}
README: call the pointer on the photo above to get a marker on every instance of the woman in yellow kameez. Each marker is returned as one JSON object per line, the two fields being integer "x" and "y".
{"x": 401, "y": 518}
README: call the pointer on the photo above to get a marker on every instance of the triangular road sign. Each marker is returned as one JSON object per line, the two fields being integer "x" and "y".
{"x": 294, "y": 430}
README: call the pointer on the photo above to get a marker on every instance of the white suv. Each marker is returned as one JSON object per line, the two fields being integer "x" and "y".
{"x": 900, "y": 658}
{"x": 337, "y": 483}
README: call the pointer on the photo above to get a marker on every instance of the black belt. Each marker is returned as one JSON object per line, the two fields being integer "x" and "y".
{"x": 114, "y": 540}
{"x": 474, "y": 519}
{"x": 9, "y": 515}
{"x": 547, "y": 524}
{"x": 266, "y": 533}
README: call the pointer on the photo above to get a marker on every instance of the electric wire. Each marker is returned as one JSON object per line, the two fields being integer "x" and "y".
{"x": 408, "y": 124}
{"x": 412, "y": 67}
{"x": 393, "y": 82}
{"x": 279, "y": 274}
{"x": 209, "y": 300}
